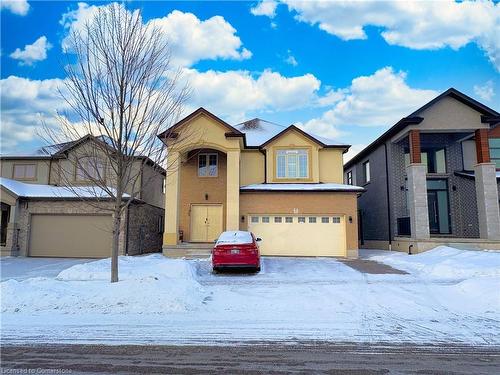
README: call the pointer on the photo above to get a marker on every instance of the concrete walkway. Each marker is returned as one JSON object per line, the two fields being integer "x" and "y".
{"x": 372, "y": 267}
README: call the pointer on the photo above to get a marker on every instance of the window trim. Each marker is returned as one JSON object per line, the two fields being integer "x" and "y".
{"x": 35, "y": 175}
{"x": 208, "y": 154}
{"x": 308, "y": 154}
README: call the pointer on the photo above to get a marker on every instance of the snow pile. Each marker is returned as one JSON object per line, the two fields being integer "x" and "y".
{"x": 148, "y": 285}
{"x": 445, "y": 263}
{"x": 236, "y": 237}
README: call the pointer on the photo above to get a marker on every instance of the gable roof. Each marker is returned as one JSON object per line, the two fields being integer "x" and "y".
{"x": 256, "y": 133}
{"x": 489, "y": 115}
{"x": 171, "y": 131}
{"x": 307, "y": 135}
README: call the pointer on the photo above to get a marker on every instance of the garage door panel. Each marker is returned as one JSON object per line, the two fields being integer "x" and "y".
{"x": 79, "y": 236}
{"x": 311, "y": 237}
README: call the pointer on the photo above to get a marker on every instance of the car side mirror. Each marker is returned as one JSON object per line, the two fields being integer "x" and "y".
{"x": 258, "y": 239}
{"x": 215, "y": 241}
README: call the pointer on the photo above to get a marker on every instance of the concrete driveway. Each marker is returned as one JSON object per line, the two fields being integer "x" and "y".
{"x": 22, "y": 268}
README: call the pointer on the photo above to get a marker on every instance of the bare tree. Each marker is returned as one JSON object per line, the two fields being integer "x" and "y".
{"x": 122, "y": 91}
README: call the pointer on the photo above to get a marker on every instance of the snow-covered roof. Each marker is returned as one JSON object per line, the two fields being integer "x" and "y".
{"x": 22, "y": 189}
{"x": 234, "y": 237}
{"x": 301, "y": 187}
{"x": 258, "y": 132}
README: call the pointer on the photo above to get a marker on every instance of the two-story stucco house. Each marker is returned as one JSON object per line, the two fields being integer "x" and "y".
{"x": 281, "y": 183}
{"x": 431, "y": 179}
{"x": 42, "y": 218}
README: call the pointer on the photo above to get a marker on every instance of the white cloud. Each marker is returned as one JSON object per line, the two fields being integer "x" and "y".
{"x": 190, "y": 38}
{"x": 25, "y": 104}
{"x": 232, "y": 94}
{"x": 412, "y": 24}
{"x": 353, "y": 151}
{"x": 380, "y": 99}
{"x": 265, "y": 8}
{"x": 32, "y": 52}
{"x": 291, "y": 60}
{"x": 19, "y": 7}
{"x": 486, "y": 91}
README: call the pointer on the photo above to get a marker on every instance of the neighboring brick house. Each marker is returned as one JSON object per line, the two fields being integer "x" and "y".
{"x": 42, "y": 218}
{"x": 431, "y": 178}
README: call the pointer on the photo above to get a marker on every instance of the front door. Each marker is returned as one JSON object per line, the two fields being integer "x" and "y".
{"x": 438, "y": 205}
{"x": 206, "y": 222}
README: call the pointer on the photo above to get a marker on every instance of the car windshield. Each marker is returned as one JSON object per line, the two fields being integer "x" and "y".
{"x": 235, "y": 238}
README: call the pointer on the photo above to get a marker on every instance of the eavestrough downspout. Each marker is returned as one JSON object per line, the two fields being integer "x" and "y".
{"x": 388, "y": 201}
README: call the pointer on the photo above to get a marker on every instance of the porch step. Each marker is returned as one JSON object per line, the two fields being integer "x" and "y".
{"x": 188, "y": 250}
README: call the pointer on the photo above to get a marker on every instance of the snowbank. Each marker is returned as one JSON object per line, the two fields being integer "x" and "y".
{"x": 148, "y": 285}
{"x": 445, "y": 263}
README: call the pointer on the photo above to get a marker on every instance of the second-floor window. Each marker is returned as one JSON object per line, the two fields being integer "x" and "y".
{"x": 89, "y": 168}
{"x": 433, "y": 158}
{"x": 207, "y": 165}
{"x": 366, "y": 171}
{"x": 495, "y": 151}
{"x": 292, "y": 164}
{"x": 24, "y": 171}
{"x": 348, "y": 178}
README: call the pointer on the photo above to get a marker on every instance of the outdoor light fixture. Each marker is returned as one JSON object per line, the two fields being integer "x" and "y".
{"x": 243, "y": 219}
{"x": 206, "y": 196}
{"x": 350, "y": 219}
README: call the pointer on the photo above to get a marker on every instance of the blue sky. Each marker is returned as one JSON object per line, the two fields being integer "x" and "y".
{"x": 347, "y": 72}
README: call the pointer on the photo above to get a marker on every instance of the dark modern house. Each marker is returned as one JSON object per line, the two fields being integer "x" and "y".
{"x": 432, "y": 178}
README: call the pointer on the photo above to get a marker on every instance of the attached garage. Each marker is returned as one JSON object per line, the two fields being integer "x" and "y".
{"x": 70, "y": 235}
{"x": 300, "y": 235}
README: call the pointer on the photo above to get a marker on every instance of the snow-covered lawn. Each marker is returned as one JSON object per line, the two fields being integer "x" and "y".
{"x": 449, "y": 295}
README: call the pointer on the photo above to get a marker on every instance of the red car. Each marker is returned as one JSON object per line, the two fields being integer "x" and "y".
{"x": 236, "y": 249}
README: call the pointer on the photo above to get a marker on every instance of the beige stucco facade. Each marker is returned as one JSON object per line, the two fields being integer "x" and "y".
{"x": 240, "y": 166}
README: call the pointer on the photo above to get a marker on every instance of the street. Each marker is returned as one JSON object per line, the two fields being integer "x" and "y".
{"x": 269, "y": 358}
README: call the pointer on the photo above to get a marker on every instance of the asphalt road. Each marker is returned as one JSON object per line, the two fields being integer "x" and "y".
{"x": 307, "y": 358}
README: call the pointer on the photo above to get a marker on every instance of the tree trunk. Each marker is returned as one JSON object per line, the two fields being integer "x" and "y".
{"x": 116, "y": 240}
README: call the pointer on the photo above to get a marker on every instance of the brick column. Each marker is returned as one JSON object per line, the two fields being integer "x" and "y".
{"x": 415, "y": 152}
{"x": 482, "y": 146}
{"x": 172, "y": 197}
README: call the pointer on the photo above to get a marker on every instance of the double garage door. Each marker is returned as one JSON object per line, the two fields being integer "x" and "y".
{"x": 75, "y": 236}
{"x": 297, "y": 235}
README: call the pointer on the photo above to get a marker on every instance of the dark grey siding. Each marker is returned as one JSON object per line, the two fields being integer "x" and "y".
{"x": 373, "y": 203}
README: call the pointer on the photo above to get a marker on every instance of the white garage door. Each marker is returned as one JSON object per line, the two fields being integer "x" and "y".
{"x": 320, "y": 235}
{"x": 73, "y": 236}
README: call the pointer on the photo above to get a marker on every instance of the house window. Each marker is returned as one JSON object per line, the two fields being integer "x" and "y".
{"x": 495, "y": 151}
{"x": 265, "y": 219}
{"x": 255, "y": 219}
{"x": 433, "y": 158}
{"x": 348, "y": 179}
{"x": 164, "y": 186}
{"x": 336, "y": 220}
{"x": 292, "y": 164}
{"x": 312, "y": 220}
{"x": 278, "y": 219}
{"x": 366, "y": 171}
{"x": 301, "y": 219}
{"x": 207, "y": 165}
{"x": 24, "y": 171}
{"x": 89, "y": 168}
{"x": 288, "y": 219}
{"x": 325, "y": 220}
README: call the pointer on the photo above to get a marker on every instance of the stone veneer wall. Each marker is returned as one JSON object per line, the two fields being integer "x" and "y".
{"x": 145, "y": 229}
